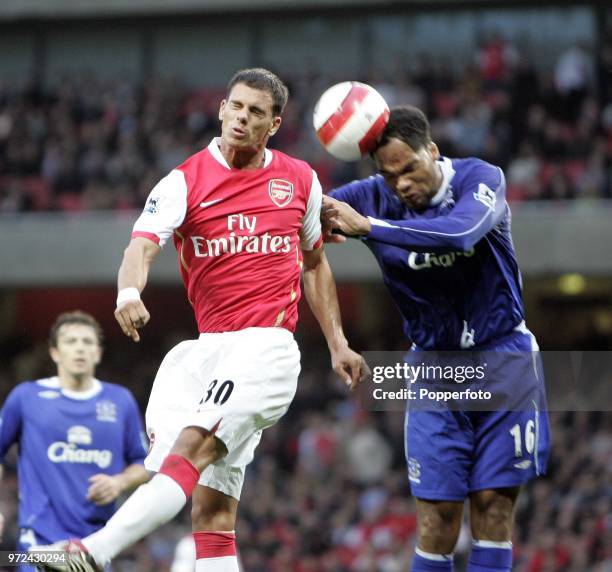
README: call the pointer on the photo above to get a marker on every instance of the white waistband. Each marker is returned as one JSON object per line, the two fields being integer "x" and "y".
{"x": 250, "y": 331}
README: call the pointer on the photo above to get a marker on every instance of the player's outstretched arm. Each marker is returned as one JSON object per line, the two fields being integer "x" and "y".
{"x": 320, "y": 290}
{"x": 131, "y": 312}
{"x": 338, "y": 215}
{"x": 478, "y": 210}
{"x": 104, "y": 489}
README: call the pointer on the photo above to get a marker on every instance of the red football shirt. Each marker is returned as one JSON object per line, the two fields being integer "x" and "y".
{"x": 239, "y": 235}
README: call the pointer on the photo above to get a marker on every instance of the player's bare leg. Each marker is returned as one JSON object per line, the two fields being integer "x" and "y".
{"x": 492, "y": 514}
{"x": 199, "y": 446}
{"x": 154, "y": 503}
{"x": 491, "y": 520}
{"x": 213, "y": 518}
{"x": 438, "y": 523}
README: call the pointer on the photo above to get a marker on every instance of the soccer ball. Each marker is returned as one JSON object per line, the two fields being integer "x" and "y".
{"x": 349, "y": 119}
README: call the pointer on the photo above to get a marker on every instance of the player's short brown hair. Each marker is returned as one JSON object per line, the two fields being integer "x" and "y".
{"x": 76, "y": 317}
{"x": 265, "y": 80}
{"x": 408, "y": 124}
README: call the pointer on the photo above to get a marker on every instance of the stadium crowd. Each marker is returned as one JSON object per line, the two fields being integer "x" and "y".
{"x": 328, "y": 489}
{"x": 85, "y": 143}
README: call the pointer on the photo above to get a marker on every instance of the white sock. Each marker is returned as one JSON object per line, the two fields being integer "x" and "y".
{"x": 222, "y": 564}
{"x": 150, "y": 506}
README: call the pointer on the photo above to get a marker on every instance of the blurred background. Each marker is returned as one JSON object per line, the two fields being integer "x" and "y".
{"x": 99, "y": 100}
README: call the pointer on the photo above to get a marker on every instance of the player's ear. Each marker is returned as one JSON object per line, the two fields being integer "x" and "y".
{"x": 54, "y": 354}
{"x": 276, "y": 123}
{"x": 221, "y": 108}
{"x": 433, "y": 150}
{"x": 99, "y": 356}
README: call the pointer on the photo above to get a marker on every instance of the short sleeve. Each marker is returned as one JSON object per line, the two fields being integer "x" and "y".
{"x": 11, "y": 420}
{"x": 164, "y": 210}
{"x": 310, "y": 235}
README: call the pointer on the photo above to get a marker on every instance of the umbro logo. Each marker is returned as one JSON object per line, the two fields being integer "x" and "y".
{"x": 523, "y": 464}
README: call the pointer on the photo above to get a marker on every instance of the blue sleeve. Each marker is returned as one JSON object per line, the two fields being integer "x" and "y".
{"x": 358, "y": 194}
{"x": 479, "y": 208}
{"x": 135, "y": 439}
{"x": 11, "y": 420}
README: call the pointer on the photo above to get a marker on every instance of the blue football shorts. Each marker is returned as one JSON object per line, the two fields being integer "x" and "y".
{"x": 453, "y": 451}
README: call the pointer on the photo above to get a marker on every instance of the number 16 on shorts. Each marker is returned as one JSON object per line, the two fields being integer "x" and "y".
{"x": 528, "y": 439}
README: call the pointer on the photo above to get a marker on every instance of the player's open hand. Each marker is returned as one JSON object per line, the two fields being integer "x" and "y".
{"x": 104, "y": 489}
{"x": 131, "y": 316}
{"x": 341, "y": 216}
{"x": 350, "y": 366}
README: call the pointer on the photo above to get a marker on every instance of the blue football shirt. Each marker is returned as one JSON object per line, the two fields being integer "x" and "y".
{"x": 64, "y": 438}
{"x": 451, "y": 269}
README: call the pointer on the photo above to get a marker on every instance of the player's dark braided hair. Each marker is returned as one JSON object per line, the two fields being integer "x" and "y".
{"x": 408, "y": 124}
{"x": 265, "y": 80}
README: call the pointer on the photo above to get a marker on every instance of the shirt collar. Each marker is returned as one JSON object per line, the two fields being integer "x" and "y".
{"x": 53, "y": 382}
{"x": 215, "y": 150}
{"x": 446, "y": 167}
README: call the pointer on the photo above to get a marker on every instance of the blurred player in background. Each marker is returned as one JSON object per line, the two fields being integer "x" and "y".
{"x": 440, "y": 231}
{"x": 184, "y": 555}
{"x": 81, "y": 442}
{"x": 244, "y": 220}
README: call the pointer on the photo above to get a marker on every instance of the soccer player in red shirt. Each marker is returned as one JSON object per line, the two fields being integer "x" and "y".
{"x": 245, "y": 221}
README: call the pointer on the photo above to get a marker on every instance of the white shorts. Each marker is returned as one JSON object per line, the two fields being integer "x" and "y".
{"x": 235, "y": 383}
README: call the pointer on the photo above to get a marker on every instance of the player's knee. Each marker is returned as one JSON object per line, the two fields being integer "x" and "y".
{"x": 438, "y": 526}
{"x": 492, "y": 514}
{"x": 204, "y": 518}
{"x": 199, "y": 446}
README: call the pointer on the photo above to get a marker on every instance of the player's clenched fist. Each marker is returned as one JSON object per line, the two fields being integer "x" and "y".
{"x": 103, "y": 489}
{"x": 131, "y": 314}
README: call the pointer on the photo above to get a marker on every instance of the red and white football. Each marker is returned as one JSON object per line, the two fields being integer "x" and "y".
{"x": 349, "y": 119}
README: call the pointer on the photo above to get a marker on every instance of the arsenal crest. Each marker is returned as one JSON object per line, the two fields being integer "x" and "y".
{"x": 280, "y": 191}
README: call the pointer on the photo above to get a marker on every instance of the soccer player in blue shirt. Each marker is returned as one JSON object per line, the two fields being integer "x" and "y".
{"x": 440, "y": 231}
{"x": 81, "y": 442}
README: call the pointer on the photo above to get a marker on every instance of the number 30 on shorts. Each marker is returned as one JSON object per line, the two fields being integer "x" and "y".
{"x": 219, "y": 394}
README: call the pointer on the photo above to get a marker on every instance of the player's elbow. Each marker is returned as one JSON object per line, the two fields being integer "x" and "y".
{"x": 463, "y": 242}
{"x": 141, "y": 249}
{"x": 133, "y": 250}
{"x": 313, "y": 260}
